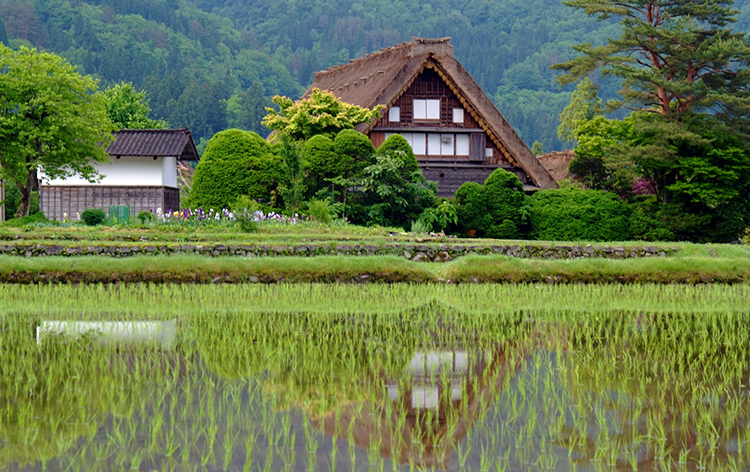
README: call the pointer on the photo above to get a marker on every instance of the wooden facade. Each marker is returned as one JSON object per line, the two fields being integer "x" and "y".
{"x": 456, "y": 132}
{"x": 68, "y": 202}
{"x": 450, "y": 176}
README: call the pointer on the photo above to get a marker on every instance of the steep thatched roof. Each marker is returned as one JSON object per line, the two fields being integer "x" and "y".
{"x": 153, "y": 143}
{"x": 382, "y": 77}
{"x": 557, "y": 163}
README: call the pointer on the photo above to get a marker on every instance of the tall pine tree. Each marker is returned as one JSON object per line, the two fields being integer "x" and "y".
{"x": 674, "y": 56}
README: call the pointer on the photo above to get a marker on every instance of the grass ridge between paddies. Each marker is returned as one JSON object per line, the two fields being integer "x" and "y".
{"x": 382, "y": 269}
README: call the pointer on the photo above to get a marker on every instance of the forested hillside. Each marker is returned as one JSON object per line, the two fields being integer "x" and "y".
{"x": 198, "y": 70}
{"x": 213, "y": 64}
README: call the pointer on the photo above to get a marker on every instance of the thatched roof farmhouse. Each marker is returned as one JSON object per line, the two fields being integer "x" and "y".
{"x": 454, "y": 129}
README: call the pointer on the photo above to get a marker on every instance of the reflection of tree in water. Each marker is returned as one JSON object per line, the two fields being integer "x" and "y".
{"x": 659, "y": 388}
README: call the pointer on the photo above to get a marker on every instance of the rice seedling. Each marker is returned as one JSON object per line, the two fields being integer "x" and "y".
{"x": 448, "y": 376}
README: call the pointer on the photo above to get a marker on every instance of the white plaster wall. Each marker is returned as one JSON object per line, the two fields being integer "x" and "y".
{"x": 128, "y": 171}
{"x": 169, "y": 171}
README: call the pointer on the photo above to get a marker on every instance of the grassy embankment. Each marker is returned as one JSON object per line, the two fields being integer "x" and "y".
{"x": 199, "y": 269}
{"x": 691, "y": 263}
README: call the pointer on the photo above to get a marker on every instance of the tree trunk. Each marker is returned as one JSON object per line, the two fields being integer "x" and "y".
{"x": 32, "y": 183}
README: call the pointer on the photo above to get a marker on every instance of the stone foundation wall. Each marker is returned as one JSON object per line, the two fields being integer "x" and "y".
{"x": 415, "y": 252}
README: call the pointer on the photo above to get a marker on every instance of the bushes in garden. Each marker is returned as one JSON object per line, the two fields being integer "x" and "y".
{"x": 355, "y": 152}
{"x": 235, "y": 163}
{"x": 320, "y": 162}
{"x": 500, "y": 209}
{"x": 571, "y": 214}
{"x": 345, "y": 157}
{"x": 493, "y": 209}
{"x": 93, "y": 216}
{"x": 394, "y": 191}
{"x": 346, "y": 177}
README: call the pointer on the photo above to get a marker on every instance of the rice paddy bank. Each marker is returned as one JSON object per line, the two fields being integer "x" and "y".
{"x": 379, "y": 269}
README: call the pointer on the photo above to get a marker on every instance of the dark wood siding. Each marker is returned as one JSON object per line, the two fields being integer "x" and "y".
{"x": 429, "y": 85}
{"x": 58, "y": 201}
{"x": 377, "y": 138}
{"x": 450, "y": 178}
{"x": 477, "y": 146}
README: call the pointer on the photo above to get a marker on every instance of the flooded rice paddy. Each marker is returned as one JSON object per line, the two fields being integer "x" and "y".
{"x": 375, "y": 378}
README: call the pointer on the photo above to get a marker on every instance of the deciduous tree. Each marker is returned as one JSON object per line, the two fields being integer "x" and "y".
{"x": 51, "y": 119}
{"x": 129, "y": 109}
{"x": 321, "y": 113}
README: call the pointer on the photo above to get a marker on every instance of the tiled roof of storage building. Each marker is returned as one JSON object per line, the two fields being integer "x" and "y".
{"x": 382, "y": 77}
{"x": 154, "y": 142}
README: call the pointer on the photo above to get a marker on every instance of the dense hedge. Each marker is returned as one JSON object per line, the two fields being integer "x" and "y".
{"x": 572, "y": 214}
{"x": 394, "y": 190}
{"x": 345, "y": 156}
{"x": 492, "y": 209}
{"x": 235, "y": 163}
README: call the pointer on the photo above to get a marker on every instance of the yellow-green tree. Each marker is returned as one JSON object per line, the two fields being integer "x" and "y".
{"x": 321, "y": 114}
{"x": 128, "y": 108}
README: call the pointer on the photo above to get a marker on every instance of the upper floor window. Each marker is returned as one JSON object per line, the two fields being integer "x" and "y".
{"x": 426, "y": 109}
{"x": 394, "y": 114}
{"x": 458, "y": 115}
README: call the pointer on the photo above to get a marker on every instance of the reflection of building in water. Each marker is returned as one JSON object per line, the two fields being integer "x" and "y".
{"x": 434, "y": 374}
{"x": 423, "y": 415}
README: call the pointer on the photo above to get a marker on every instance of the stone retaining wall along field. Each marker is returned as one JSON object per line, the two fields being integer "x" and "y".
{"x": 414, "y": 252}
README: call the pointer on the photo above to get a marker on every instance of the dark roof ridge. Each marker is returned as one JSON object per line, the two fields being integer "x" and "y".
{"x": 153, "y": 130}
{"x": 413, "y": 45}
{"x": 366, "y": 57}
{"x": 154, "y": 142}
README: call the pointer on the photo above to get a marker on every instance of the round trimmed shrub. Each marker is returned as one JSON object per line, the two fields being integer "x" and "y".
{"x": 471, "y": 206}
{"x": 397, "y": 143}
{"x": 235, "y": 163}
{"x": 354, "y": 150}
{"x": 506, "y": 229}
{"x": 320, "y": 161}
{"x": 492, "y": 209}
{"x": 93, "y": 216}
{"x": 505, "y": 197}
{"x": 571, "y": 214}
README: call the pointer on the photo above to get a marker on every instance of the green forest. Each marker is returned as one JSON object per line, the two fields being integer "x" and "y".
{"x": 215, "y": 64}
